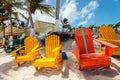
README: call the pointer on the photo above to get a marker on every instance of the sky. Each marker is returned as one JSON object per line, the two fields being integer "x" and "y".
{"x": 84, "y": 12}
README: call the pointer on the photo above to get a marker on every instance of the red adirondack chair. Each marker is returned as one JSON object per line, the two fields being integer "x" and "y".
{"x": 83, "y": 49}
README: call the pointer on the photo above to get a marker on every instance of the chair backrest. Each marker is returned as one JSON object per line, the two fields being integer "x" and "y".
{"x": 80, "y": 42}
{"x": 107, "y": 32}
{"x": 51, "y": 42}
{"x": 29, "y": 43}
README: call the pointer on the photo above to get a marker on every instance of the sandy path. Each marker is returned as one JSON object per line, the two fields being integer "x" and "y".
{"x": 69, "y": 70}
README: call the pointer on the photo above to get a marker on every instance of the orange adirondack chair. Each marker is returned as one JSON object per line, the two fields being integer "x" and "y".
{"x": 108, "y": 34}
{"x": 85, "y": 54}
{"x": 53, "y": 53}
{"x": 29, "y": 52}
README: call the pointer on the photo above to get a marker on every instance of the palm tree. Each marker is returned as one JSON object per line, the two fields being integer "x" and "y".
{"x": 112, "y": 25}
{"x": 65, "y": 24}
{"x": 33, "y": 5}
{"x": 103, "y": 25}
{"x": 11, "y": 6}
{"x": 80, "y": 26}
{"x": 3, "y": 16}
{"x": 117, "y": 26}
{"x": 92, "y": 26}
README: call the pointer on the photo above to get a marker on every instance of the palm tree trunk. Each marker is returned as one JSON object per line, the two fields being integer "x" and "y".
{"x": 3, "y": 43}
{"x": 25, "y": 30}
{"x": 11, "y": 27}
{"x": 27, "y": 25}
{"x": 32, "y": 33}
{"x": 57, "y": 15}
{"x": 11, "y": 30}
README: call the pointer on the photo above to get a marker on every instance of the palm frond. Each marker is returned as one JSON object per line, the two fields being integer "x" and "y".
{"x": 46, "y": 9}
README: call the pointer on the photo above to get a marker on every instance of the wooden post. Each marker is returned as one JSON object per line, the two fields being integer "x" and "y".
{"x": 39, "y": 28}
{"x": 52, "y": 28}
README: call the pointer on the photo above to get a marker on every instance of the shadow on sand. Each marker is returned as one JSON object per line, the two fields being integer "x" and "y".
{"x": 11, "y": 65}
{"x": 66, "y": 66}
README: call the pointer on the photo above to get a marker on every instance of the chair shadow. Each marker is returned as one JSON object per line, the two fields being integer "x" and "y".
{"x": 5, "y": 67}
{"x": 24, "y": 64}
{"x": 100, "y": 74}
{"x": 1, "y": 78}
{"x": 69, "y": 65}
{"x": 47, "y": 72}
{"x": 64, "y": 71}
{"x": 115, "y": 66}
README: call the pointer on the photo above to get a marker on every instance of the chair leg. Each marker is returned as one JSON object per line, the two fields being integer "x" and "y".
{"x": 18, "y": 64}
{"x": 58, "y": 67}
{"x": 36, "y": 68}
{"x": 80, "y": 68}
{"x": 107, "y": 67}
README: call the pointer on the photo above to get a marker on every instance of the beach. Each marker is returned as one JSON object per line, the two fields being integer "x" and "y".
{"x": 69, "y": 69}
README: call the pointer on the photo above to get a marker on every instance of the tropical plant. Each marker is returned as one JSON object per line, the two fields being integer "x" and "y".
{"x": 117, "y": 26}
{"x": 80, "y": 26}
{"x": 65, "y": 24}
{"x": 103, "y": 25}
{"x": 33, "y": 5}
{"x": 11, "y": 6}
{"x": 22, "y": 24}
{"x": 112, "y": 25}
{"x": 92, "y": 27}
{"x": 3, "y": 16}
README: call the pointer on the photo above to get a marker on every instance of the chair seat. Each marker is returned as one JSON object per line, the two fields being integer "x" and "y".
{"x": 93, "y": 55}
{"x": 42, "y": 62}
{"x": 24, "y": 58}
{"x": 94, "y": 60}
{"x": 94, "y": 63}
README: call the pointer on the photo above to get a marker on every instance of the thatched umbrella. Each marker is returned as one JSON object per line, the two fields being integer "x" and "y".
{"x": 16, "y": 31}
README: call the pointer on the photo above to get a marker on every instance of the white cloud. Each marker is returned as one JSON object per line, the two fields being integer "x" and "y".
{"x": 87, "y": 12}
{"x": 46, "y": 1}
{"x": 89, "y": 16}
{"x": 88, "y": 8}
{"x": 82, "y": 22}
{"x": 69, "y": 10}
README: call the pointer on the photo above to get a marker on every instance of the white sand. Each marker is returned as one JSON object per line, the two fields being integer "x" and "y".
{"x": 69, "y": 70}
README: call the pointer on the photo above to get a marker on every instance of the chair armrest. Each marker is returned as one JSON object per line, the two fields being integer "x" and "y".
{"x": 14, "y": 52}
{"x": 35, "y": 50}
{"x": 116, "y": 42}
{"x": 57, "y": 49}
{"x": 57, "y": 54}
{"x": 109, "y": 47}
{"x": 19, "y": 48}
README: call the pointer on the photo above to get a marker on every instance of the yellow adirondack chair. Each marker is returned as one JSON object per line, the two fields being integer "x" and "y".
{"x": 29, "y": 52}
{"x": 108, "y": 34}
{"x": 53, "y": 53}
